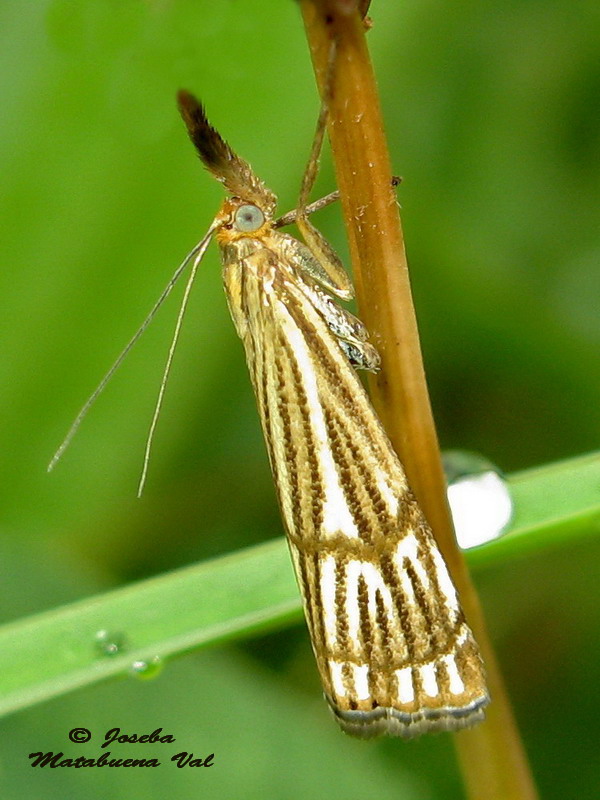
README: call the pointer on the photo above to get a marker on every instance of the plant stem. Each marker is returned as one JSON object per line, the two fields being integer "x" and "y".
{"x": 492, "y": 758}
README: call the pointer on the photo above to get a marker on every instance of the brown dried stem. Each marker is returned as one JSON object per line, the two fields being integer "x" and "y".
{"x": 493, "y": 762}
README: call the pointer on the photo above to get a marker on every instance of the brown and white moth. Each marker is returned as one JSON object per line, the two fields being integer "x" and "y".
{"x": 392, "y": 646}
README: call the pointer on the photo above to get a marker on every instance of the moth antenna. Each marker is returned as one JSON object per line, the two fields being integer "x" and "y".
{"x": 197, "y": 251}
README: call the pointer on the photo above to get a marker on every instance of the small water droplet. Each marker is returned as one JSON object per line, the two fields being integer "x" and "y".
{"x": 110, "y": 643}
{"x": 479, "y": 498}
{"x": 147, "y": 669}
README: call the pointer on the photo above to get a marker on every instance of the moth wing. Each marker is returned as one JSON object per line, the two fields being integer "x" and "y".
{"x": 392, "y": 646}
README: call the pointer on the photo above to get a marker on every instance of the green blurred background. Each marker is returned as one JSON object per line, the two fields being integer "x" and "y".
{"x": 492, "y": 116}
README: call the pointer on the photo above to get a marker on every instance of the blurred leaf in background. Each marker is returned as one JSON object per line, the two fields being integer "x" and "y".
{"x": 492, "y": 117}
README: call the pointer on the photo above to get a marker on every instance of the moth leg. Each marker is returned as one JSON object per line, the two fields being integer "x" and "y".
{"x": 317, "y": 205}
{"x": 361, "y": 355}
{"x": 350, "y": 332}
{"x": 339, "y": 281}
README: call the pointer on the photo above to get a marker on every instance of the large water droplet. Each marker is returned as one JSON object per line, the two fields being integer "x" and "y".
{"x": 479, "y": 498}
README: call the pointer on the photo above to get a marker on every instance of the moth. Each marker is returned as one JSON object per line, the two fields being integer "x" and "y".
{"x": 391, "y": 643}
{"x": 393, "y": 649}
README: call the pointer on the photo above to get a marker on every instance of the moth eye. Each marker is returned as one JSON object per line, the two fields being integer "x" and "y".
{"x": 249, "y": 218}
